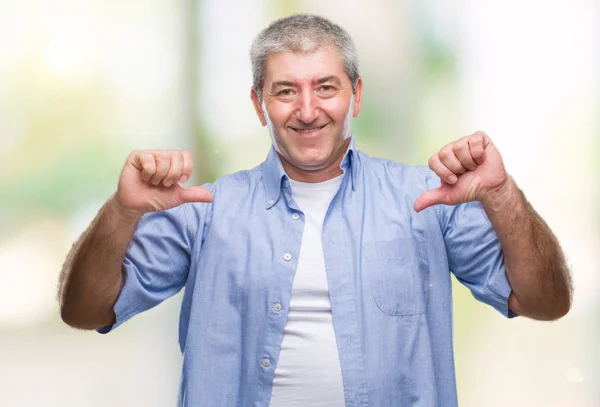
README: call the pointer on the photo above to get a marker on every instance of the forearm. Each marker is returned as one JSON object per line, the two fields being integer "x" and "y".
{"x": 92, "y": 274}
{"x": 534, "y": 262}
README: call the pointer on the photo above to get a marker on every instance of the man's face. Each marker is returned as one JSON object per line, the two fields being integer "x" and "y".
{"x": 308, "y": 106}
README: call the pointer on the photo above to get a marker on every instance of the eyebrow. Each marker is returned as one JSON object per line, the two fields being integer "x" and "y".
{"x": 330, "y": 78}
{"x": 281, "y": 83}
{"x": 319, "y": 81}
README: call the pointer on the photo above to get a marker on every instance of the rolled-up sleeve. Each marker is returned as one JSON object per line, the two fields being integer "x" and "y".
{"x": 156, "y": 264}
{"x": 475, "y": 255}
{"x": 474, "y": 251}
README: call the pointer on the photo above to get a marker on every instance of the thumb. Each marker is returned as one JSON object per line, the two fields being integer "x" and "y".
{"x": 430, "y": 198}
{"x": 195, "y": 194}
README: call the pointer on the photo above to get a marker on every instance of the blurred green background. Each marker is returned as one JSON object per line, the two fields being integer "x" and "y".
{"x": 84, "y": 82}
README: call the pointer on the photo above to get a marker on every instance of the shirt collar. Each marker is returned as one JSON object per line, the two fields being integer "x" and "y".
{"x": 274, "y": 175}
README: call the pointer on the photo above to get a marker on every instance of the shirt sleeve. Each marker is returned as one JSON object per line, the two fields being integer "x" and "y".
{"x": 156, "y": 264}
{"x": 474, "y": 252}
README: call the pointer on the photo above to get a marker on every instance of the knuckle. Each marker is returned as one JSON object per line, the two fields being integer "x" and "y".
{"x": 433, "y": 160}
{"x": 480, "y": 135}
{"x": 148, "y": 166}
{"x": 143, "y": 156}
{"x": 173, "y": 174}
{"x": 474, "y": 143}
{"x": 445, "y": 153}
{"x": 188, "y": 165}
{"x": 458, "y": 146}
{"x": 162, "y": 165}
{"x": 178, "y": 159}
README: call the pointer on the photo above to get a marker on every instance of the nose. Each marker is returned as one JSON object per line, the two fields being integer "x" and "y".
{"x": 308, "y": 108}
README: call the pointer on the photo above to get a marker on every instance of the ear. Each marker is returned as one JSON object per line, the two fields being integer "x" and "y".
{"x": 357, "y": 97}
{"x": 258, "y": 107}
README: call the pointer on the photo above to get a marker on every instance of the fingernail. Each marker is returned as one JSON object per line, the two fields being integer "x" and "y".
{"x": 168, "y": 184}
{"x": 452, "y": 179}
{"x": 183, "y": 178}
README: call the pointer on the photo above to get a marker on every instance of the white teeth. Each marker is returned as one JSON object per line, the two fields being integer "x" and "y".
{"x": 307, "y": 130}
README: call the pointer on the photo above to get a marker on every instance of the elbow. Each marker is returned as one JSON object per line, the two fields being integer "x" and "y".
{"x": 80, "y": 319}
{"x": 557, "y": 310}
{"x": 563, "y": 291}
{"x": 541, "y": 309}
{"x": 562, "y": 308}
{"x": 67, "y": 317}
{"x": 71, "y": 318}
{"x": 562, "y": 301}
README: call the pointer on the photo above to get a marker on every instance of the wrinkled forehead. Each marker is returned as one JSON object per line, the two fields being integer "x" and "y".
{"x": 304, "y": 67}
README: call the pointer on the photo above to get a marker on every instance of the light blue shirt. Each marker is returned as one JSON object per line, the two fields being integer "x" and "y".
{"x": 388, "y": 271}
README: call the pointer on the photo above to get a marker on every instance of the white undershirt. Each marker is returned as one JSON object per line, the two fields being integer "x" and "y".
{"x": 308, "y": 372}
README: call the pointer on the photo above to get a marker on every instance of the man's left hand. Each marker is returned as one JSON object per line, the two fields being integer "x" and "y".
{"x": 470, "y": 169}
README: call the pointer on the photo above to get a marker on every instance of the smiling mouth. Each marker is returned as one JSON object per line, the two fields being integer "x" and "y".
{"x": 308, "y": 131}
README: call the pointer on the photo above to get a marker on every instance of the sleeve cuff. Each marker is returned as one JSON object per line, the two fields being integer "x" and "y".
{"x": 498, "y": 290}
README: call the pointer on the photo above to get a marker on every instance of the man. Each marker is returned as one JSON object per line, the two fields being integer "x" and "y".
{"x": 322, "y": 276}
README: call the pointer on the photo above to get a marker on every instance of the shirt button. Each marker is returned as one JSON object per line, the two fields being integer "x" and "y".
{"x": 277, "y": 307}
{"x": 266, "y": 362}
{"x": 270, "y": 202}
{"x": 295, "y": 216}
{"x": 286, "y": 183}
{"x": 287, "y": 257}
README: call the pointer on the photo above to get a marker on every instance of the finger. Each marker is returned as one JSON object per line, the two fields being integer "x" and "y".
{"x": 195, "y": 194}
{"x": 477, "y": 147}
{"x": 462, "y": 151}
{"x": 163, "y": 162}
{"x": 441, "y": 170}
{"x": 174, "y": 169}
{"x": 144, "y": 161}
{"x": 430, "y": 198}
{"x": 188, "y": 166}
{"x": 449, "y": 159}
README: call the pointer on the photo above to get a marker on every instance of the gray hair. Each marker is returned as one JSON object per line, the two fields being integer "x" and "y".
{"x": 301, "y": 33}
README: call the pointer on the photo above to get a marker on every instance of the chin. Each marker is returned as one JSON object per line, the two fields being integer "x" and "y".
{"x": 309, "y": 163}
{"x": 312, "y": 156}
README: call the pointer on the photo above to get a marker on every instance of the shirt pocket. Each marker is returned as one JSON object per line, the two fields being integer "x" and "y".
{"x": 397, "y": 273}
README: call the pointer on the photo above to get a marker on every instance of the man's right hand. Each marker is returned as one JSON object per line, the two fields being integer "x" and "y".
{"x": 92, "y": 275}
{"x": 149, "y": 181}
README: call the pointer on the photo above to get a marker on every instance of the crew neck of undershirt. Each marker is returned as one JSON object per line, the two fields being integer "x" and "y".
{"x": 317, "y": 186}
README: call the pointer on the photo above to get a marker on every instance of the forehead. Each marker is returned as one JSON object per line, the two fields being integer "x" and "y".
{"x": 305, "y": 66}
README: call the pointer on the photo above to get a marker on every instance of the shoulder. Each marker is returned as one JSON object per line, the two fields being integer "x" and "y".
{"x": 237, "y": 184}
{"x": 411, "y": 177}
{"x": 228, "y": 189}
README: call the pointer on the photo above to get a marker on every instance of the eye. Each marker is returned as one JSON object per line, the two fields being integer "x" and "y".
{"x": 284, "y": 92}
{"x": 327, "y": 89}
